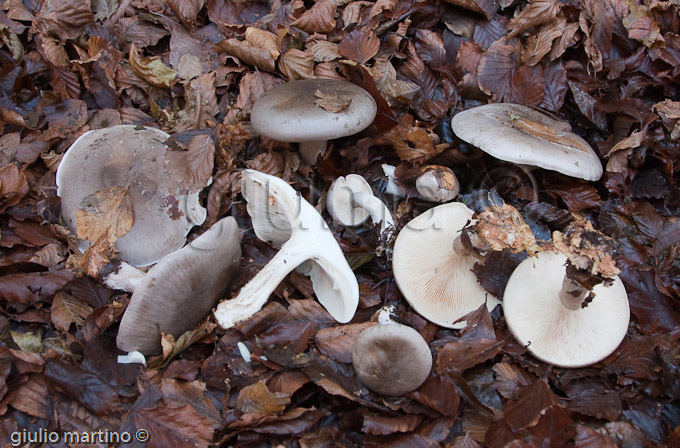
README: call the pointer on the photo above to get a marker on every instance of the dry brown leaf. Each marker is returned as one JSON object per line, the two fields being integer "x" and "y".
{"x": 537, "y": 12}
{"x": 359, "y": 46}
{"x": 53, "y": 51}
{"x": 263, "y": 39}
{"x": 332, "y": 103}
{"x": 319, "y": 18}
{"x": 542, "y": 44}
{"x": 495, "y": 71}
{"x": 201, "y": 104}
{"x": 151, "y": 69}
{"x": 642, "y": 26}
{"x": 258, "y": 399}
{"x": 381, "y": 6}
{"x": 251, "y": 87}
{"x": 12, "y": 42}
{"x": 412, "y": 144}
{"x": 324, "y": 51}
{"x": 192, "y": 168}
{"x": 67, "y": 310}
{"x": 268, "y": 162}
{"x": 97, "y": 257}
{"x": 186, "y": 10}
{"x": 351, "y": 14}
{"x": 247, "y": 53}
{"x": 108, "y": 210}
{"x": 669, "y": 111}
{"x": 178, "y": 427}
{"x": 17, "y": 11}
{"x": 49, "y": 255}
{"x": 32, "y": 397}
{"x": 296, "y": 64}
{"x": 338, "y": 342}
{"x": 486, "y": 7}
{"x": 13, "y": 186}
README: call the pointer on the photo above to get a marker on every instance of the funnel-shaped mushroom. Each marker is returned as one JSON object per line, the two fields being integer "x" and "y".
{"x": 311, "y": 112}
{"x": 391, "y": 359}
{"x": 133, "y": 158}
{"x": 177, "y": 292}
{"x": 434, "y": 274}
{"x": 285, "y": 220}
{"x": 519, "y": 134}
{"x": 555, "y": 327}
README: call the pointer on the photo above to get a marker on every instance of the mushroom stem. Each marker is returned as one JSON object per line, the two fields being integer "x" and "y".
{"x": 256, "y": 292}
{"x": 572, "y": 293}
{"x": 460, "y": 249}
{"x": 126, "y": 278}
{"x": 309, "y": 151}
{"x": 376, "y": 208}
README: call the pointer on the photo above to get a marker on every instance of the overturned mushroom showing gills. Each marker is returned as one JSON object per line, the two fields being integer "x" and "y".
{"x": 391, "y": 359}
{"x": 350, "y": 201}
{"x": 284, "y": 219}
{"x": 433, "y": 271}
{"x": 311, "y": 112}
{"x": 555, "y": 327}
{"x": 181, "y": 289}
{"x": 523, "y": 135}
{"x": 133, "y": 158}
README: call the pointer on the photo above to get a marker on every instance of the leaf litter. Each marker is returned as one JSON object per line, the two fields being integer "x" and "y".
{"x": 195, "y": 69}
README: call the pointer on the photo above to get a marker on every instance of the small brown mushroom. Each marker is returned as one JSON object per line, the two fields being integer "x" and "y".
{"x": 391, "y": 359}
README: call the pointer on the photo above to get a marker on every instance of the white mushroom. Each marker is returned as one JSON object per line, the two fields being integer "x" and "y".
{"x": 181, "y": 289}
{"x": 285, "y": 220}
{"x": 555, "y": 326}
{"x": 133, "y": 158}
{"x": 350, "y": 201}
{"x": 311, "y": 112}
{"x": 523, "y": 135}
{"x": 391, "y": 359}
{"x": 433, "y": 270}
{"x": 433, "y": 183}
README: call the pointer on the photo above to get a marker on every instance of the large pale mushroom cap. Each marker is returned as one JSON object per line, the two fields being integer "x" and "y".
{"x": 438, "y": 282}
{"x": 519, "y": 134}
{"x": 294, "y": 111}
{"x": 553, "y": 333}
{"x": 132, "y": 158}
{"x": 391, "y": 359}
{"x": 181, "y": 289}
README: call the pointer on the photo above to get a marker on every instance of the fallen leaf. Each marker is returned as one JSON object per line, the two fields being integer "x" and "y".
{"x": 151, "y": 69}
{"x": 13, "y": 186}
{"x": 258, "y": 399}
{"x": 67, "y": 310}
{"x": 297, "y": 64}
{"x": 180, "y": 427}
{"x": 193, "y": 167}
{"x": 331, "y": 102}
{"x": 318, "y": 18}
{"x": 103, "y": 211}
{"x": 33, "y": 287}
{"x": 263, "y": 39}
{"x": 379, "y": 425}
{"x": 338, "y": 342}
{"x": 248, "y": 53}
{"x": 186, "y": 10}
{"x": 359, "y": 46}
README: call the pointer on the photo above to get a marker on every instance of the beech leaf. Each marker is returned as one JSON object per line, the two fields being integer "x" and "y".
{"x": 151, "y": 69}
{"x": 103, "y": 210}
{"x": 359, "y": 46}
{"x": 258, "y": 399}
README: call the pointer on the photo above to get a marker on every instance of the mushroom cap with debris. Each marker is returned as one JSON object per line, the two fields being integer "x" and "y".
{"x": 523, "y": 135}
{"x": 131, "y": 157}
{"x": 437, "y": 281}
{"x": 313, "y": 110}
{"x": 554, "y": 333}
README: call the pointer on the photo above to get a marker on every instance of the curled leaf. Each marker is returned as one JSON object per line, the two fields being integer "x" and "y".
{"x": 151, "y": 69}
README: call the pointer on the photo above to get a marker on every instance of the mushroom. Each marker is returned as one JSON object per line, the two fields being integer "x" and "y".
{"x": 284, "y": 219}
{"x": 433, "y": 183}
{"x": 178, "y": 291}
{"x": 433, "y": 269}
{"x": 555, "y": 326}
{"x": 523, "y": 135}
{"x": 350, "y": 201}
{"x": 311, "y": 112}
{"x": 133, "y": 158}
{"x": 391, "y": 359}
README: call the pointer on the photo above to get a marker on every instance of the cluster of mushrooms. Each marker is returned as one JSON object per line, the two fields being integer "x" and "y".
{"x": 561, "y": 318}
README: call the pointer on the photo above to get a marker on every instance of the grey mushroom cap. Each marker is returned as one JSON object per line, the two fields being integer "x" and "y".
{"x": 181, "y": 289}
{"x": 554, "y": 333}
{"x": 133, "y": 158}
{"x": 289, "y": 113}
{"x": 391, "y": 359}
{"x": 523, "y": 135}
